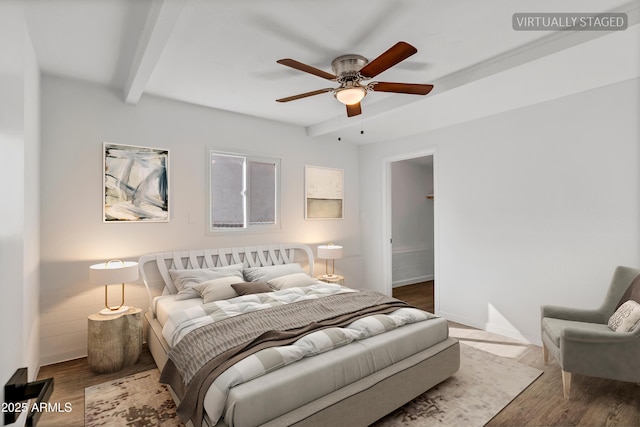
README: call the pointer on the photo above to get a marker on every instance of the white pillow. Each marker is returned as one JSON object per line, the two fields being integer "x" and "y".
{"x": 185, "y": 279}
{"x": 292, "y": 281}
{"x": 264, "y": 274}
{"x": 626, "y": 317}
{"x": 217, "y": 289}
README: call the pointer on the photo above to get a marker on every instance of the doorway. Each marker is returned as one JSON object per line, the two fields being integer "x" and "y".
{"x": 411, "y": 227}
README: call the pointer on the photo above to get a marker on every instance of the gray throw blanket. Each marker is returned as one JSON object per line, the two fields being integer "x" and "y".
{"x": 205, "y": 353}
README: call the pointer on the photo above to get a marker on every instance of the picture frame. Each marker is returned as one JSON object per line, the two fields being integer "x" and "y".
{"x": 135, "y": 184}
{"x": 324, "y": 193}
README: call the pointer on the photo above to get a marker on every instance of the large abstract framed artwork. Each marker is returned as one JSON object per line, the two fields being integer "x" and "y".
{"x": 324, "y": 193}
{"x": 136, "y": 184}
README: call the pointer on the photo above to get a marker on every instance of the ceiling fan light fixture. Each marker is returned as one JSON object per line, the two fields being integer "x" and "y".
{"x": 350, "y": 70}
{"x": 350, "y": 95}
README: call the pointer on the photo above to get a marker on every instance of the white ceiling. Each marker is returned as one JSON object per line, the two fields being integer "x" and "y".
{"x": 222, "y": 54}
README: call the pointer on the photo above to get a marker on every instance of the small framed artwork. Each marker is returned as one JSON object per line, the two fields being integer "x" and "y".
{"x": 136, "y": 184}
{"x": 324, "y": 193}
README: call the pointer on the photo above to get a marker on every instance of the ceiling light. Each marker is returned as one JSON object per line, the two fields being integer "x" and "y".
{"x": 350, "y": 95}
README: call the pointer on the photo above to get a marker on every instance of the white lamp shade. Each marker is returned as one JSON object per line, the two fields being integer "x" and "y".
{"x": 329, "y": 252}
{"x": 113, "y": 272}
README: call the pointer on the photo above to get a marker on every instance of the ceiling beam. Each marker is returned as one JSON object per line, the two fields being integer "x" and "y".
{"x": 566, "y": 73}
{"x": 161, "y": 20}
{"x": 547, "y": 45}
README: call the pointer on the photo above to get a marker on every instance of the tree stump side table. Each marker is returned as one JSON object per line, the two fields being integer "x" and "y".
{"x": 114, "y": 341}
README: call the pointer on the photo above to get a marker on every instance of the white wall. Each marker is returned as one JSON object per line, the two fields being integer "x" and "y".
{"x": 19, "y": 187}
{"x": 31, "y": 214}
{"x": 533, "y": 206}
{"x": 412, "y": 222}
{"x": 78, "y": 117}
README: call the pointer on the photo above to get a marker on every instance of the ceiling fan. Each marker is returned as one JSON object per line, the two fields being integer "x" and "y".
{"x": 350, "y": 70}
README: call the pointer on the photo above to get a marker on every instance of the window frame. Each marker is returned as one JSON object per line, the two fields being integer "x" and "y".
{"x": 248, "y": 227}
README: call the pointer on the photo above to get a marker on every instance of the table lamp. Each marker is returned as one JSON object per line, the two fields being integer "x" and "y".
{"x": 329, "y": 252}
{"x": 112, "y": 272}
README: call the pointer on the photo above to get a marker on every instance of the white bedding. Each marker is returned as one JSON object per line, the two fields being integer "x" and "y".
{"x": 182, "y": 320}
{"x": 166, "y": 304}
{"x": 308, "y": 379}
{"x": 172, "y": 314}
{"x": 275, "y": 358}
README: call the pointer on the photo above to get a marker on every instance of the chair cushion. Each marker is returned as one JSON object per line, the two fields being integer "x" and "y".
{"x": 626, "y": 317}
{"x": 632, "y": 293}
{"x": 553, "y": 327}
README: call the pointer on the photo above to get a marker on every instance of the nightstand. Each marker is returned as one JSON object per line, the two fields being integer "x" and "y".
{"x": 114, "y": 341}
{"x": 336, "y": 278}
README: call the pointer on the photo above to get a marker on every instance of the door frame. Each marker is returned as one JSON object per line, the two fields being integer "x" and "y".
{"x": 387, "y": 220}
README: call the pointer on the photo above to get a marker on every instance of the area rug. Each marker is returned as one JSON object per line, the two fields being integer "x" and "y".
{"x": 483, "y": 386}
{"x": 138, "y": 400}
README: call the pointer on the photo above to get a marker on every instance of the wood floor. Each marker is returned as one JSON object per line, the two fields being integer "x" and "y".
{"x": 419, "y": 295}
{"x": 594, "y": 401}
{"x": 70, "y": 380}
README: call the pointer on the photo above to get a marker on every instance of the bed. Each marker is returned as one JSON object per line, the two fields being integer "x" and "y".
{"x": 348, "y": 366}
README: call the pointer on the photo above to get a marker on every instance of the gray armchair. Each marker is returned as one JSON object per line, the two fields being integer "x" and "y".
{"x": 582, "y": 343}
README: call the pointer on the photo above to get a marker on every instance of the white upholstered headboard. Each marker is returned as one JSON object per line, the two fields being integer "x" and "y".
{"x": 154, "y": 268}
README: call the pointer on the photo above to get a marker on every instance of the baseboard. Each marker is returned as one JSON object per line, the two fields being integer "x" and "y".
{"x": 412, "y": 281}
{"x": 459, "y": 319}
{"x": 490, "y": 327}
{"x": 63, "y": 357}
{"x": 411, "y": 264}
{"x": 511, "y": 333}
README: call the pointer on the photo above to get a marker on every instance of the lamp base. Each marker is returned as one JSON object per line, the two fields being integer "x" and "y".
{"x": 109, "y": 312}
{"x": 329, "y": 276}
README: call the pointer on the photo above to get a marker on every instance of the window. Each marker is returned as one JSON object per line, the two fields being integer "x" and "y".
{"x": 243, "y": 192}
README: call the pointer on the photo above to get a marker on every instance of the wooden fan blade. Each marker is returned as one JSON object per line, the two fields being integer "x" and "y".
{"x": 353, "y": 110}
{"x": 411, "y": 88}
{"x": 304, "y": 95}
{"x": 397, "y": 53}
{"x": 306, "y": 68}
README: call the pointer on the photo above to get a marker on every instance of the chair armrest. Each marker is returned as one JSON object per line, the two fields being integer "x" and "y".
{"x": 599, "y": 337}
{"x": 570, "y": 313}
